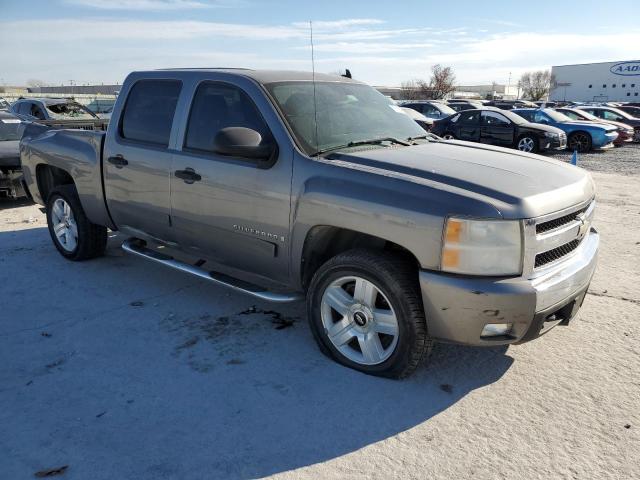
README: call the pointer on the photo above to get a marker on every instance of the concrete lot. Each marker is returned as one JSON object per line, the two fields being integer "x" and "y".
{"x": 118, "y": 368}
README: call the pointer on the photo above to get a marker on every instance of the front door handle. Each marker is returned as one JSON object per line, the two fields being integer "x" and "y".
{"x": 119, "y": 161}
{"x": 189, "y": 175}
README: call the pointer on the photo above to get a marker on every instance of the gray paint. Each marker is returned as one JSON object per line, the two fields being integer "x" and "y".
{"x": 256, "y": 219}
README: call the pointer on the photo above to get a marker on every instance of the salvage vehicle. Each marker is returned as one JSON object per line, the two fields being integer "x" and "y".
{"x": 625, "y": 132}
{"x": 270, "y": 183}
{"x": 498, "y": 127}
{"x": 50, "y": 109}
{"x": 424, "y": 122}
{"x": 581, "y": 136}
{"x": 615, "y": 114}
{"x": 430, "y": 108}
{"x": 10, "y": 168}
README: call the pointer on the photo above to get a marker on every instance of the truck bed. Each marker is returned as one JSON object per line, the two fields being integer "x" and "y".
{"x": 78, "y": 152}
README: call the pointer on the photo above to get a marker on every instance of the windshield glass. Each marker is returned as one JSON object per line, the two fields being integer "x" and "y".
{"x": 446, "y": 109}
{"x": 582, "y": 115}
{"x": 514, "y": 117}
{"x": 69, "y": 110}
{"x": 346, "y": 112}
{"x": 9, "y": 128}
{"x": 556, "y": 116}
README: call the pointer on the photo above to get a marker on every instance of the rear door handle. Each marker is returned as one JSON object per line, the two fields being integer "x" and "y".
{"x": 189, "y": 175}
{"x": 119, "y": 161}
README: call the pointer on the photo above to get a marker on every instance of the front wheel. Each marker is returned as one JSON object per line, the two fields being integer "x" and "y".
{"x": 579, "y": 141}
{"x": 365, "y": 311}
{"x": 527, "y": 143}
{"x": 75, "y": 237}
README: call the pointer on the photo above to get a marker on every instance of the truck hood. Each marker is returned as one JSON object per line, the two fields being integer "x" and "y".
{"x": 516, "y": 184}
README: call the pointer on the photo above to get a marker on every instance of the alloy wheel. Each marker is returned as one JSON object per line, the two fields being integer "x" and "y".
{"x": 579, "y": 142}
{"x": 64, "y": 223}
{"x": 526, "y": 144}
{"x": 359, "y": 320}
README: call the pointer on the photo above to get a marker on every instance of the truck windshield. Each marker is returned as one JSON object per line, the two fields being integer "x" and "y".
{"x": 347, "y": 113}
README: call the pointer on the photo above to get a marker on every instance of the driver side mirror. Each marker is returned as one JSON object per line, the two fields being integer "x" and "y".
{"x": 242, "y": 142}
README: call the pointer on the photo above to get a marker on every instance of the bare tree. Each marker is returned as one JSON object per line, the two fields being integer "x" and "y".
{"x": 34, "y": 82}
{"x": 442, "y": 81}
{"x": 536, "y": 85}
{"x": 412, "y": 90}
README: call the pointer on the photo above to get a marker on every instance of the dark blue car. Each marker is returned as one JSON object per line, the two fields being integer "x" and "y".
{"x": 581, "y": 136}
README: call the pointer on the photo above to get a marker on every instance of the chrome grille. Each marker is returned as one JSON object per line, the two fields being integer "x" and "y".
{"x": 556, "y": 254}
{"x": 552, "y": 238}
{"x": 559, "y": 222}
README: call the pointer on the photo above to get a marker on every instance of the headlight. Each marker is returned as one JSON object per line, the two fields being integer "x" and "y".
{"x": 482, "y": 247}
{"x": 551, "y": 134}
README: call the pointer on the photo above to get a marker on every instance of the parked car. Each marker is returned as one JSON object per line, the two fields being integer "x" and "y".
{"x": 430, "y": 108}
{"x": 395, "y": 237}
{"x": 499, "y": 127}
{"x": 50, "y": 109}
{"x": 459, "y": 105}
{"x": 632, "y": 110}
{"x": 420, "y": 119}
{"x": 10, "y": 168}
{"x": 625, "y": 132}
{"x": 615, "y": 114}
{"x": 509, "y": 104}
{"x": 581, "y": 136}
{"x": 102, "y": 107}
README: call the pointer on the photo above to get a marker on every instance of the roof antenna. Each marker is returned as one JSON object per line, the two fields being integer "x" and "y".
{"x": 313, "y": 78}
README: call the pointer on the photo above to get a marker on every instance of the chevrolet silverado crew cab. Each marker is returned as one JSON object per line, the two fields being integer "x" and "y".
{"x": 286, "y": 185}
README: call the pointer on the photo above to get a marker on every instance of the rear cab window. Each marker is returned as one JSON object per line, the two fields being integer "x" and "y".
{"x": 149, "y": 110}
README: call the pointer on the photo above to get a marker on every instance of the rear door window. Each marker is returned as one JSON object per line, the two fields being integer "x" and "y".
{"x": 217, "y": 106}
{"x": 469, "y": 118}
{"x": 148, "y": 113}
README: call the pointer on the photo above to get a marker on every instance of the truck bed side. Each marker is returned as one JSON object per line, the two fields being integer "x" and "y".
{"x": 77, "y": 153}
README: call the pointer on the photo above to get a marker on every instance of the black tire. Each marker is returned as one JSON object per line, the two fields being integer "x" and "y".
{"x": 535, "y": 143}
{"x": 449, "y": 136}
{"x": 92, "y": 238}
{"x": 580, "y": 141}
{"x": 396, "y": 277}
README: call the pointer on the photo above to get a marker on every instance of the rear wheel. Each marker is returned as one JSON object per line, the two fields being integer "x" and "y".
{"x": 579, "y": 141}
{"x": 365, "y": 310}
{"x": 75, "y": 237}
{"x": 527, "y": 143}
{"x": 448, "y": 136}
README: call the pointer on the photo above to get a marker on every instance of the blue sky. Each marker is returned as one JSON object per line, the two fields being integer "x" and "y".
{"x": 382, "y": 43}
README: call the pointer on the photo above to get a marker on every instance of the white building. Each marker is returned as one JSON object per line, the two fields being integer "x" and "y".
{"x": 597, "y": 82}
{"x": 494, "y": 90}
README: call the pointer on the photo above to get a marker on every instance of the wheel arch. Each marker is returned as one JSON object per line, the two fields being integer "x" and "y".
{"x": 323, "y": 242}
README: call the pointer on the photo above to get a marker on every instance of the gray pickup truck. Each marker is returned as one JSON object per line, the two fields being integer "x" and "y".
{"x": 285, "y": 185}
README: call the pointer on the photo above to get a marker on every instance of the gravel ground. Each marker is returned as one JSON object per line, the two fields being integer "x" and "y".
{"x": 623, "y": 160}
{"x": 117, "y": 368}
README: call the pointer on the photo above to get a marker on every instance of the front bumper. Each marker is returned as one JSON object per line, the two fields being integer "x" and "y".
{"x": 458, "y": 307}
{"x": 553, "y": 143}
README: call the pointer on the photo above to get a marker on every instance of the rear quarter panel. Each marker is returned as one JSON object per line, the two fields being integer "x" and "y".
{"x": 77, "y": 152}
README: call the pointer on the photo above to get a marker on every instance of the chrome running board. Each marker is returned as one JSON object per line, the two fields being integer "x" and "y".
{"x": 138, "y": 247}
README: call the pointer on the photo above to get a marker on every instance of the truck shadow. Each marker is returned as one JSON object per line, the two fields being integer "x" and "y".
{"x": 262, "y": 400}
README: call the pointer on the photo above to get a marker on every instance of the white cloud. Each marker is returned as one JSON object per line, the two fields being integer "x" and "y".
{"x": 338, "y": 24}
{"x": 148, "y": 5}
{"x": 360, "y": 47}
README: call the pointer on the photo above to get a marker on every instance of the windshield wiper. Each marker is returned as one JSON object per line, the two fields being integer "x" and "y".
{"x": 373, "y": 141}
{"x": 426, "y": 136}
